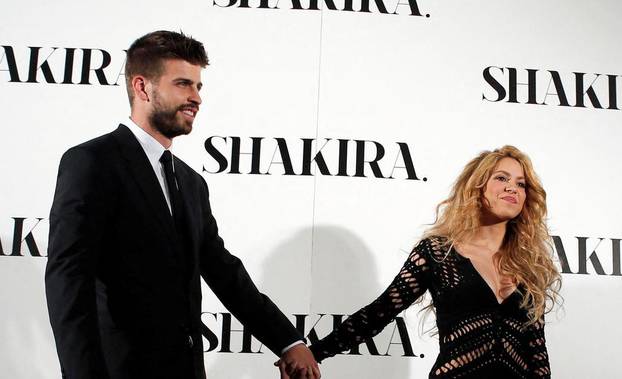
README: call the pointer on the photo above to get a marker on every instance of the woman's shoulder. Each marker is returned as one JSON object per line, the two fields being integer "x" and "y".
{"x": 435, "y": 249}
{"x": 433, "y": 246}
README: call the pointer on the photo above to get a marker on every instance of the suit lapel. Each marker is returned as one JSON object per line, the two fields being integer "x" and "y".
{"x": 137, "y": 161}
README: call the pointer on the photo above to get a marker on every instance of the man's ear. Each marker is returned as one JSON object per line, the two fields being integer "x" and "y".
{"x": 139, "y": 86}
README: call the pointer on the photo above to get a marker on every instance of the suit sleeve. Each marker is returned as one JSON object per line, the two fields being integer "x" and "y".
{"x": 76, "y": 220}
{"x": 226, "y": 276}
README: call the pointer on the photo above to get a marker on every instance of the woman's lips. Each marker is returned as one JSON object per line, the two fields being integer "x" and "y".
{"x": 510, "y": 199}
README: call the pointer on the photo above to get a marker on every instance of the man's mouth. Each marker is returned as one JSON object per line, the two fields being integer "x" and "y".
{"x": 190, "y": 112}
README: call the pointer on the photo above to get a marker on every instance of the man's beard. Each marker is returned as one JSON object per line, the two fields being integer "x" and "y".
{"x": 164, "y": 119}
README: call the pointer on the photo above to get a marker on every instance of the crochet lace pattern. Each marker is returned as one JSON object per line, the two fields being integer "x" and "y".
{"x": 479, "y": 337}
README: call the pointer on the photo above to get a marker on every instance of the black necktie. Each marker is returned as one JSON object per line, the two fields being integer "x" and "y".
{"x": 177, "y": 208}
{"x": 173, "y": 189}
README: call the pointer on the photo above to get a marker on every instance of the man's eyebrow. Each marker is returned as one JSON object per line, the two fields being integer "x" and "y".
{"x": 188, "y": 81}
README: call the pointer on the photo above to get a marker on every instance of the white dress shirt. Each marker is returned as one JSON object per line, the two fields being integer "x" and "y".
{"x": 154, "y": 151}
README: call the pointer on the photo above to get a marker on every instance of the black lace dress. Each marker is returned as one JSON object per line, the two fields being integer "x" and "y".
{"x": 478, "y": 337}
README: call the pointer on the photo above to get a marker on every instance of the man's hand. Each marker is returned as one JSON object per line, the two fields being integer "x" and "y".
{"x": 298, "y": 363}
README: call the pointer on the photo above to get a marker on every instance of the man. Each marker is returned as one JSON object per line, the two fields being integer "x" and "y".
{"x": 132, "y": 232}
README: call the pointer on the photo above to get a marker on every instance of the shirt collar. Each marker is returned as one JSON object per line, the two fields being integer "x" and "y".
{"x": 150, "y": 145}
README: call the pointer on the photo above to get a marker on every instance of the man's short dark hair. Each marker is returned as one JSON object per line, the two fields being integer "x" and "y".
{"x": 147, "y": 54}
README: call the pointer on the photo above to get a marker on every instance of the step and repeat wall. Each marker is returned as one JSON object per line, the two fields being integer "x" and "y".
{"x": 329, "y": 132}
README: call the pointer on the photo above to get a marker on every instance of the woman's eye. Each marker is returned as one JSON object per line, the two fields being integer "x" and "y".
{"x": 502, "y": 178}
{"x": 522, "y": 185}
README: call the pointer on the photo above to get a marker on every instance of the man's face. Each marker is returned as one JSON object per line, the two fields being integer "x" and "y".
{"x": 175, "y": 98}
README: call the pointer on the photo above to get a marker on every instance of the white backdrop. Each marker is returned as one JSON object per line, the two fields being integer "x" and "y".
{"x": 325, "y": 244}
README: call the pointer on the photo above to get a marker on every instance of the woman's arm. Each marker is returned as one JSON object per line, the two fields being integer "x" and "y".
{"x": 538, "y": 355}
{"x": 409, "y": 284}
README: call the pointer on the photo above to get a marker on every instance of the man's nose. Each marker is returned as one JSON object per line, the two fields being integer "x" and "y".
{"x": 195, "y": 97}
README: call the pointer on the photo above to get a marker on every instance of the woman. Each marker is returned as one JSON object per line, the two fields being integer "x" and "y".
{"x": 487, "y": 266}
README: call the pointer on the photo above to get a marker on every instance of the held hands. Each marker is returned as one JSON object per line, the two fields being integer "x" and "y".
{"x": 298, "y": 363}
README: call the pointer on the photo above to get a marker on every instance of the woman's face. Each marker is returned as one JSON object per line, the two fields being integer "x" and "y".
{"x": 504, "y": 194}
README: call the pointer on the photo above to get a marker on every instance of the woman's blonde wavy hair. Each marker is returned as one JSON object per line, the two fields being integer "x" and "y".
{"x": 525, "y": 255}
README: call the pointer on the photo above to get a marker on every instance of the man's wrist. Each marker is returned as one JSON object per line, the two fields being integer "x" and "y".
{"x": 288, "y": 347}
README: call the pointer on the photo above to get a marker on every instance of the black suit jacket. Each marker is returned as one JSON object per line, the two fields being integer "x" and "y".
{"x": 123, "y": 300}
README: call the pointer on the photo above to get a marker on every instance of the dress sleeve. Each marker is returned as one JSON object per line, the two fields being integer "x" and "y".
{"x": 409, "y": 284}
{"x": 538, "y": 355}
